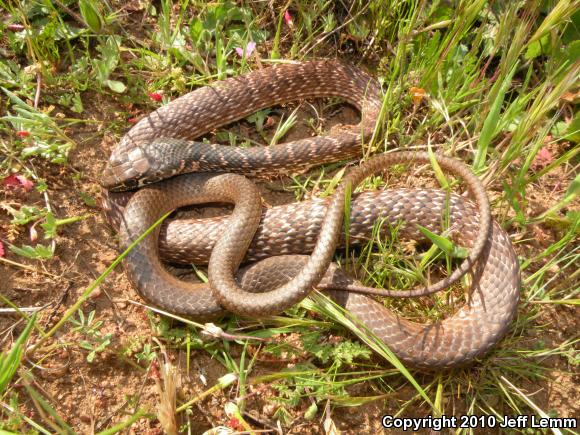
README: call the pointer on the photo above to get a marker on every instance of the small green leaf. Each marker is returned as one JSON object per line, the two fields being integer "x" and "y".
{"x": 571, "y": 53}
{"x": 258, "y": 119}
{"x": 41, "y": 185}
{"x": 91, "y": 356}
{"x": 574, "y": 189}
{"x": 77, "y": 103}
{"x": 26, "y": 214}
{"x": 310, "y": 413}
{"x": 569, "y": 131}
{"x": 37, "y": 252}
{"x": 537, "y": 48}
{"x": 88, "y": 199}
{"x": 49, "y": 226}
{"x": 445, "y": 244}
{"x": 91, "y": 15}
{"x": 86, "y": 345}
{"x": 116, "y": 86}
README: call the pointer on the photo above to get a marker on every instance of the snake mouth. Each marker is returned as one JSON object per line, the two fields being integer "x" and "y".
{"x": 111, "y": 180}
{"x": 115, "y": 179}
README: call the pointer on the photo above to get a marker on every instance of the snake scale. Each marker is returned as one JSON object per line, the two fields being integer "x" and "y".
{"x": 161, "y": 146}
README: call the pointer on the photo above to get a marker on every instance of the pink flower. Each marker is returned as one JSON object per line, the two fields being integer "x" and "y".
{"x": 543, "y": 158}
{"x": 132, "y": 120}
{"x": 22, "y": 133}
{"x": 247, "y": 51}
{"x": 2, "y": 251}
{"x": 33, "y": 234}
{"x": 288, "y": 19}
{"x": 15, "y": 181}
{"x": 25, "y": 182}
{"x": 155, "y": 96}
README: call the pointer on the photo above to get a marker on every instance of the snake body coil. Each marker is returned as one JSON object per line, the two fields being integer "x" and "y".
{"x": 159, "y": 146}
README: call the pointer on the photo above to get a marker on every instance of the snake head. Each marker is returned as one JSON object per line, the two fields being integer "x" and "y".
{"x": 137, "y": 165}
{"x": 125, "y": 169}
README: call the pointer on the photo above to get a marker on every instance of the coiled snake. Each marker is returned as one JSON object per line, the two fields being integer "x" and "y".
{"x": 160, "y": 146}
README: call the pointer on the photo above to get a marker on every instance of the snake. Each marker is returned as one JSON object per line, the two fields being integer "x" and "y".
{"x": 161, "y": 158}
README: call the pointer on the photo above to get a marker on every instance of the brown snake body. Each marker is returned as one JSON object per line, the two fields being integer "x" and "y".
{"x": 150, "y": 152}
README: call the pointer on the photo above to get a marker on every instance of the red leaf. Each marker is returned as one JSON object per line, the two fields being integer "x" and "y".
{"x": 155, "y": 96}
{"x": 18, "y": 181}
{"x": 11, "y": 181}
{"x": 235, "y": 424}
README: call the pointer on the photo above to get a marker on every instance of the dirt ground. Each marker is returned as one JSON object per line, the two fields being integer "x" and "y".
{"x": 96, "y": 395}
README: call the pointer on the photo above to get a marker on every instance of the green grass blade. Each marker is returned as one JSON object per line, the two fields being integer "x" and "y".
{"x": 489, "y": 129}
{"x": 10, "y": 362}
